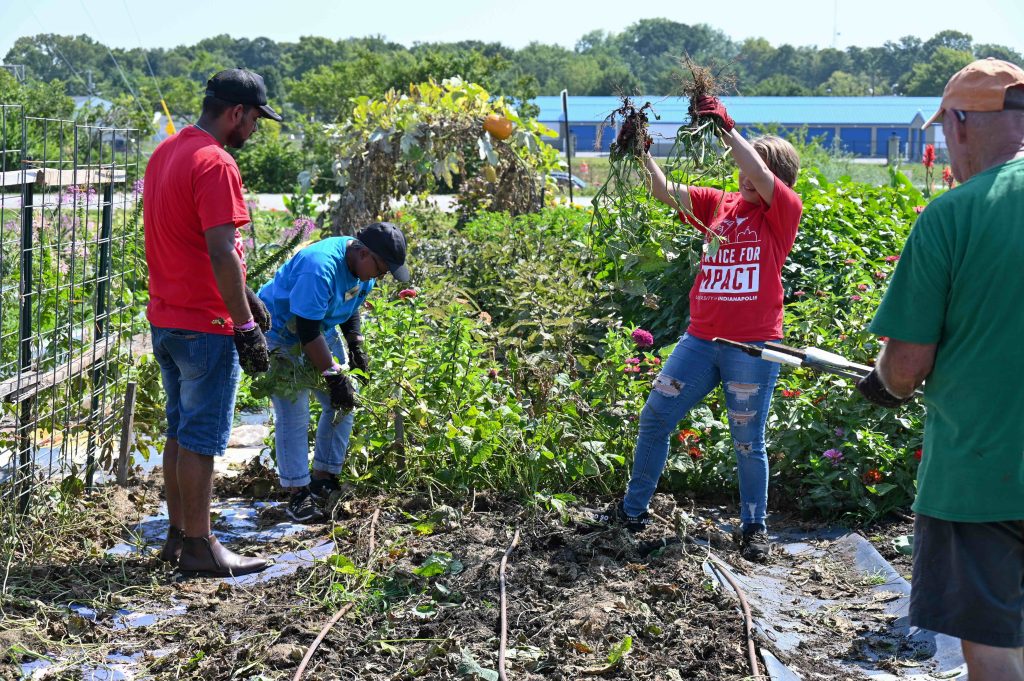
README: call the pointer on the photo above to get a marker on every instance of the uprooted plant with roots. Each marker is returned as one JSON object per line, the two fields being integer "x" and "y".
{"x": 622, "y": 207}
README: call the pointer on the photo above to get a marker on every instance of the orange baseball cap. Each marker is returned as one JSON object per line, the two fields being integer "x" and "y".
{"x": 979, "y": 86}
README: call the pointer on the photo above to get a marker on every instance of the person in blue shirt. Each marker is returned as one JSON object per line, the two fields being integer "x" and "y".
{"x": 319, "y": 290}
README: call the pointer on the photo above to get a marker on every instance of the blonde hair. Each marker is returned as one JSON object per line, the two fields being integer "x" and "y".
{"x": 780, "y": 156}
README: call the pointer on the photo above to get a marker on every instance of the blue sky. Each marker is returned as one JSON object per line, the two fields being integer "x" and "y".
{"x": 804, "y": 22}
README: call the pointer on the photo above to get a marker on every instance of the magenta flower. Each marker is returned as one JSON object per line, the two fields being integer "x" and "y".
{"x": 880, "y": 275}
{"x": 834, "y": 456}
{"x": 840, "y": 432}
{"x": 633, "y": 360}
{"x": 643, "y": 339}
{"x": 918, "y": 209}
{"x": 799, "y": 294}
{"x": 138, "y": 186}
{"x": 892, "y": 258}
{"x": 855, "y": 298}
{"x": 407, "y": 293}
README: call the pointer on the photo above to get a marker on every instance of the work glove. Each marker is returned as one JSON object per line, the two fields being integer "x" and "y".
{"x": 253, "y": 354}
{"x": 713, "y": 107}
{"x": 342, "y": 392}
{"x": 873, "y": 391}
{"x": 260, "y": 313}
{"x": 357, "y": 353}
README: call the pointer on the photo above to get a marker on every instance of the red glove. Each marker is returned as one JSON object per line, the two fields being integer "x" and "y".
{"x": 711, "y": 106}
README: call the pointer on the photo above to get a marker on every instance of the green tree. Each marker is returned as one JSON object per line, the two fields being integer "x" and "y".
{"x": 927, "y": 79}
{"x": 842, "y": 84}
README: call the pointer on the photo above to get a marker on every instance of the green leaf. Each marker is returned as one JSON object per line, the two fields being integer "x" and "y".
{"x": 470, "y": 668}
{"x": 620, "y": 650}
{"x": 342, "y": 564}
{"x": 904, "y": 544}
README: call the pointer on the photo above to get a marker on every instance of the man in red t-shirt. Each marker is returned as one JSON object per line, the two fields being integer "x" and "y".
{"x": 736, "y": 295}
{"x": 206, "y": 324}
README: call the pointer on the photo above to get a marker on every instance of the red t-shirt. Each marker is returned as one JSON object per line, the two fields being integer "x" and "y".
{"x": 192, "y": 184}
{"x": 738, "y": 292}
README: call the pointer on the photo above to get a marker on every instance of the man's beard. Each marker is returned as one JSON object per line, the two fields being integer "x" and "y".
{"x": 234, "y": 139}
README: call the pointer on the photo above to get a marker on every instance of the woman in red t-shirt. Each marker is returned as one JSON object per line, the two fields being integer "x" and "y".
{"x": 737, "y": 295}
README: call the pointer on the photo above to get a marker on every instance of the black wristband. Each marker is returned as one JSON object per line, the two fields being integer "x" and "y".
{"x": 873, "y": 390}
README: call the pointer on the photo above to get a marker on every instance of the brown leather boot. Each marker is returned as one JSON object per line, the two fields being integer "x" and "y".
{"x": 172, "y": 545}
{"x": 207, "y": 557}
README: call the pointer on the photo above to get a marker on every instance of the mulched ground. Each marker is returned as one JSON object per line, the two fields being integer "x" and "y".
{"x": 581, "y": 602}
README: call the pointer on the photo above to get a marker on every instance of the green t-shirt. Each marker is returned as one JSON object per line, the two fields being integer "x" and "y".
{"x": 960, "y": 283}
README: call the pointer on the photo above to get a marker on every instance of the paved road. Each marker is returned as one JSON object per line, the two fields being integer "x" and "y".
{"x": 443, "y": 201}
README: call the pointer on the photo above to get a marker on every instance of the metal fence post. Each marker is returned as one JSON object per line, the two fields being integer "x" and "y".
{"x": 99, "y": 374}
{"x": 25, "y": 459}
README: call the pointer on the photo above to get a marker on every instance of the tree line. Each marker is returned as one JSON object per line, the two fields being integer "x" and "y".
{"x": 316, "y": 77}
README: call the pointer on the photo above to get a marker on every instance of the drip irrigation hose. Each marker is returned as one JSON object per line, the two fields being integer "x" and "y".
{"x": 748, "y": 624}
{"x": 504, "y": 617}
{"x": 722, "y": 569}
{"x": 338, "y": 615}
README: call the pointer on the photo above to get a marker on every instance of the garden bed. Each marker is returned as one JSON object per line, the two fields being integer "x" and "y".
{"x": 582, "y": 601}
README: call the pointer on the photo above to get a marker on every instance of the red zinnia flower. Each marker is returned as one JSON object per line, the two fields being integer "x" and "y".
{"x": 872, "y": 477}
{"x": 892, "y": 258}
{"x": 407, "y": 293}
{"x": 790, "y": 393}
{"x": 688, "y": 435}
{"x": 918, "y": 454}
{"x": 695, "y": 453}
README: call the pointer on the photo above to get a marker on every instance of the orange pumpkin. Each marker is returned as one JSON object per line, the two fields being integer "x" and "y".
{"x": 499, "y": 126}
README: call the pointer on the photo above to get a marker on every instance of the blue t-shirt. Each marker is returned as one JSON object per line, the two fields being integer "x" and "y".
{"x": 315, "y": 284}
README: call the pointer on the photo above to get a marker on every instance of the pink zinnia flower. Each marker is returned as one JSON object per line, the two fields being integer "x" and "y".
{"x": 633, "y": 360}
{"x": 862, "y": 287}
{"x": 643, "y": 339}
{"x": 880, "y": 275}
{"x": 855, "y": 298}
{"x": 918, "y": 209}
{"x": 834, "y": 456}
{"x": 892, "y": 258}
{"x": 799, "y": 294}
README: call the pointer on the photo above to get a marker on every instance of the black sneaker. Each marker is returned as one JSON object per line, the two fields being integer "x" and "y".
{"x": 323, "y": 488}
{"x": 304, "y": 507}
{"x": 754, "y": 544}
{"x": 616, "y": 515}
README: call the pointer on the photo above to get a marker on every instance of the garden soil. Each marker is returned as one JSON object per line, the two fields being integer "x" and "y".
{"x": 583, "y": 601}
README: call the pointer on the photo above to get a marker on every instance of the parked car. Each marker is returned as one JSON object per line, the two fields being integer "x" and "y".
{"x": 563, "y": 179}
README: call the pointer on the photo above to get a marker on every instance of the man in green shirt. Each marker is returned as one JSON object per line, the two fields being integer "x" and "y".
{"x": 954, "y": 315}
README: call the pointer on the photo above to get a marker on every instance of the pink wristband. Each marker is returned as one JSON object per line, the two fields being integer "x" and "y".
{"x": 248, "y": 326}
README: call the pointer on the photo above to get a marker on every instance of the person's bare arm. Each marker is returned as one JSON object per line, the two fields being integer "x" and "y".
{"x": 227, "y": 270}
{"x": 672, "y": 194}
{"x": 751, "y": 164}
{"x": 903, "y": 366}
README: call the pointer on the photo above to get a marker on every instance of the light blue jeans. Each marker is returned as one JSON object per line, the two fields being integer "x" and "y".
{"x": 693, "y": 370}
{"x": 291, "y": 426}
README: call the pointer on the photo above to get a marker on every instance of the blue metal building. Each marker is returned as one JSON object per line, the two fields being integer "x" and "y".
{"x": 862, "y": 126}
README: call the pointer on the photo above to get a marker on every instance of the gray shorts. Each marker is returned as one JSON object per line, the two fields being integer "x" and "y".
{"x": 969, "y": 580}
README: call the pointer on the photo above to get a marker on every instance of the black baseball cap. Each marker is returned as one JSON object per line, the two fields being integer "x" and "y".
{"x": 385, "y": 240}
{"x": 240, "y": 86}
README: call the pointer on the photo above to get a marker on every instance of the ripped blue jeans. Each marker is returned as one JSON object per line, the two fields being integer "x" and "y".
{"x": 693, "y": 370}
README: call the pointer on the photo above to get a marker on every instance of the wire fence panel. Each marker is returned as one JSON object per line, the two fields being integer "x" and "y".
{"x": 71, "y": 281}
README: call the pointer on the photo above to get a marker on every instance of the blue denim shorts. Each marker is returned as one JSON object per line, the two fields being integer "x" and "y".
{"x": 200, "y": 374}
